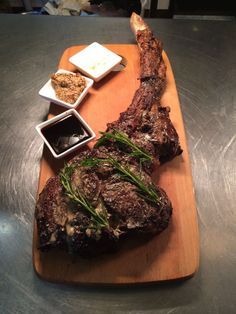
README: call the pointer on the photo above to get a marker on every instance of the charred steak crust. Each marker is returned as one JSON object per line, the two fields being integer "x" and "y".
{"x": 51, "y": 214}
{"x": 108, "y": 195}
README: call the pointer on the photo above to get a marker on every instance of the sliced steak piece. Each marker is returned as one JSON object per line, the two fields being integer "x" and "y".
{"x": 51, "y": 214}
{"x": 130, "y": 212}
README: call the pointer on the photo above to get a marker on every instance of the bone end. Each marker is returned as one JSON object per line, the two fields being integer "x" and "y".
{"x": 137, "y": 23}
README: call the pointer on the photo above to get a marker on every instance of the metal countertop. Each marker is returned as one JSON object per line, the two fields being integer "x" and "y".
{"x": 203, "y": 58}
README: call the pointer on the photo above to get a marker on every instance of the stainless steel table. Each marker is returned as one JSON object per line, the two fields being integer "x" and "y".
{"x": 203, "y": 56}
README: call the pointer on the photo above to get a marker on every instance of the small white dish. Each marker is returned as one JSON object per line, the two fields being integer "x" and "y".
{"x": 48, "y": 92}
{"x": 95, "y": 61}
{"x": 57, "y": 123}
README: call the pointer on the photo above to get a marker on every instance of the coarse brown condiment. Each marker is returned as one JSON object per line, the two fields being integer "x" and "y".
{"x": 68, "y": 87}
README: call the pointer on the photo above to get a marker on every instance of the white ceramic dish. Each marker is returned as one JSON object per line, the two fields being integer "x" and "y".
{"x": 49, "y": 122}
{"x": 48, "y": 92}
{"x": 95, "y": 61}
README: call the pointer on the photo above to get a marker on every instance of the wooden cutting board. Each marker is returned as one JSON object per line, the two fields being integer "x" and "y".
{"x": 173, "y": 254}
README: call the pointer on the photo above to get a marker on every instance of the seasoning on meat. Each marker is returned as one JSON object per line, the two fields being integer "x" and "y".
{"x": 68, "y": 87}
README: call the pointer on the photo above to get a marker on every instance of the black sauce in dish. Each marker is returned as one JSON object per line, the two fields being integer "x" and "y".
{"x": 65, "y": 133}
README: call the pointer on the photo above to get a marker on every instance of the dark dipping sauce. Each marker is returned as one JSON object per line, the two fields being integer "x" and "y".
{"x": 65, "y": 133}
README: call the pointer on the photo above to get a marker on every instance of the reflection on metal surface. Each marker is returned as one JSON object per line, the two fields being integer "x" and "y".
{"x": 5, "y": 228}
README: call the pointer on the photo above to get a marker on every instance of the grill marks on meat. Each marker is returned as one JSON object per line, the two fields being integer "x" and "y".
{"x": 130, "y": 212}
{"x": 157, "y": 130}
{"x": 151, "y": 128}
{"x": 151, "y": 61}
{"x": 52, "y": 214}
{"x": 145, "y": 120}
{"x": 152, "y": 83}
{"x": 65, "y": 224}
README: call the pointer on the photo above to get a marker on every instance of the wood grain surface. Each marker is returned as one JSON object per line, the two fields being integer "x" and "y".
{"x": 174, "y": 254}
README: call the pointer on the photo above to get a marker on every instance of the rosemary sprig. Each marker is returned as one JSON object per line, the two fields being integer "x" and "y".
{"x": 148, "y": 192}
{"x": 121, "y": 137}
{"x": 78, "y": 197}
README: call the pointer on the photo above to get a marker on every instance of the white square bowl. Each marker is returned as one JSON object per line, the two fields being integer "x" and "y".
{"x": 95, "y": 61}
{"x": 59, "y": 117}
{"x": 48, "y": 92}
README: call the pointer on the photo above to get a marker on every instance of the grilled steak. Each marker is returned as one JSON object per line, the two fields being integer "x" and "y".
{"x": 107, "y": 194}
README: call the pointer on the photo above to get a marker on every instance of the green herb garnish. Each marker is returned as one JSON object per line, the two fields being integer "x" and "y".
{"x": 121, "y": 137}
{"x": 148, "y": 192}
{"x": 77, "y": 196}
